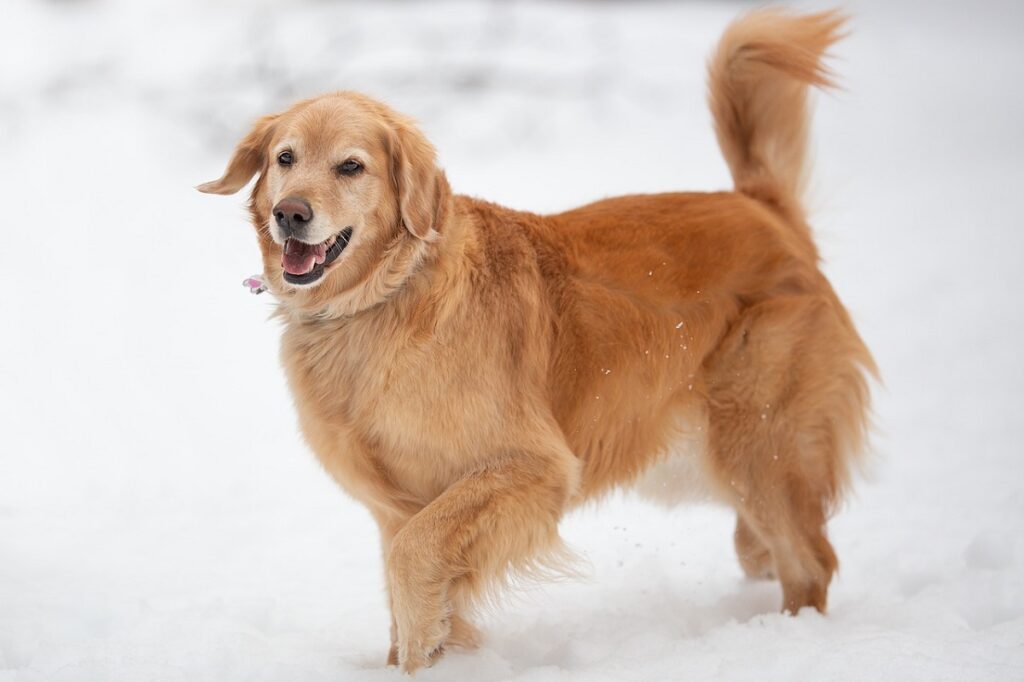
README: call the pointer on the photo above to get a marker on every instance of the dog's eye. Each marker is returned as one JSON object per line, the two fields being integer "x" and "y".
{"x": 285, "y": 159}
{"x": 350, "y": 167}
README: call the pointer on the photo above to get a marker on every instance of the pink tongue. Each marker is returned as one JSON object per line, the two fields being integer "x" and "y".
{"x": 299, "y": 258}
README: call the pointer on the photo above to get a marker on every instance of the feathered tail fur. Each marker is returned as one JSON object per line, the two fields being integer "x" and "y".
{"x": 758, "y": 79}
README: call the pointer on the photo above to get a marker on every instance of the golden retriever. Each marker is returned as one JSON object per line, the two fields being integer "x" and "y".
{"x": 469, "y": 372}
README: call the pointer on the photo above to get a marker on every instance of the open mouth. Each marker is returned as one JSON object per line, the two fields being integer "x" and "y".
{"x": 305, "y": 263}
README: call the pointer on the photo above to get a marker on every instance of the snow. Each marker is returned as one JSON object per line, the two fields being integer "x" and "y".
{"x": 160, "y": 519}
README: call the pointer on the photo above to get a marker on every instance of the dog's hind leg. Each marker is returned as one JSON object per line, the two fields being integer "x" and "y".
{"x": 786, "y": 410}
{"x": 793, "y": 524}
{"x": 754, "y": 555}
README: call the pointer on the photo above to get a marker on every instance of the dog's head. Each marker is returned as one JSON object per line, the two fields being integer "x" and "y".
{"x": 347, "y": 196}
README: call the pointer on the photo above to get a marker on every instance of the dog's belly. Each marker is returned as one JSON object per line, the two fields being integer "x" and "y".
{"x": 679, "y": 474}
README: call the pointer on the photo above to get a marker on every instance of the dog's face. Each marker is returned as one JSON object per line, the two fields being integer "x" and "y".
{"x": 344, "y": 184}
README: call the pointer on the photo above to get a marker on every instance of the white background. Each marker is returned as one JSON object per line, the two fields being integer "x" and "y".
{"x": 160, "y": 518}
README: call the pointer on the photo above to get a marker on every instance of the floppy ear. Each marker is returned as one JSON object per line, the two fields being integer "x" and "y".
{"x": 423, "y": 191}
{"x": 246, "y": 161}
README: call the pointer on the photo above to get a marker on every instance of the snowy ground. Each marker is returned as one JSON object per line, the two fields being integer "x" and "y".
{"x": 159, "y": 517}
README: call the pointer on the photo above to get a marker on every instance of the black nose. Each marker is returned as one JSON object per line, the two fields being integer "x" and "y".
{"x": 293, "y": 214}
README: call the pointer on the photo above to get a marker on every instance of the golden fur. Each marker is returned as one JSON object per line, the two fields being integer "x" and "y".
{"x": 469, "y": 372}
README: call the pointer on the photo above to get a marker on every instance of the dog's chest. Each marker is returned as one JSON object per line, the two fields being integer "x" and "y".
{"x": 416, "y": 403}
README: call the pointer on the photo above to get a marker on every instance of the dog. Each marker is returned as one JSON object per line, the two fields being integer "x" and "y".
{"x": 470, "y": 372}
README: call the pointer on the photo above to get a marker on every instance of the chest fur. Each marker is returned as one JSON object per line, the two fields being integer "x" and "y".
{"x": 416, "y": 402}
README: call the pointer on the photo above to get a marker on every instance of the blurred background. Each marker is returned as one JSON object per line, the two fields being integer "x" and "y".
{"x": 160, "y": 518}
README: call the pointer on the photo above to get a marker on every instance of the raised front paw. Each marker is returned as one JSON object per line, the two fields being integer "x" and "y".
{"x": 462, "y": 634}
{"x": 423, "y": 646}
{"x": 419, "y": 607}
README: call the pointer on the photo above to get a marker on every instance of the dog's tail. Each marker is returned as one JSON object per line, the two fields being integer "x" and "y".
{"x": 757, "y": 82}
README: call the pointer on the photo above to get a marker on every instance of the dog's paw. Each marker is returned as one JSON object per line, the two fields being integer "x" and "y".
{"x": 424, "y": 646}
{"x": 423, "y": 617}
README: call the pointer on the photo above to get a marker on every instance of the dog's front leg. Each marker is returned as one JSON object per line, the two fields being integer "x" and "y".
{"x": 389, "y": 523}
{"x": 496, "y": 518}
